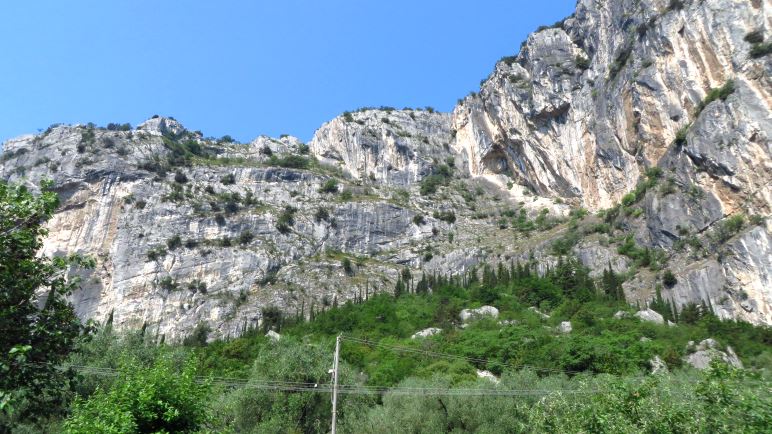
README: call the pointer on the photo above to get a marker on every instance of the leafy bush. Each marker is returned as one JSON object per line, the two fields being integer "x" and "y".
{"x": 246, "y": 237}
{"x": 620, "y": 61}
{"x": 118, "y": 127}
{"x": 629, "y": 198}
{"x": 258, "y": 410}
{"x": 675, "y": 5}
{"x": 347, "y": 266}
{"x": 715, "y": 94}
{"x": 156, "y": 253}
{"x": 174, "y": 242}
{"x": 286, "y": 219}
{"x": 143, "y": 399}
{"x": 168, "y": 283}
{"x": 643, "y": 256}
{"x": 180, "y": 177}
{"x": 419, "y": 220}
{"x": 346, "y": 195}
{"x": 446, "y": 216}
{"x": 669, "y": 279}
{"x": 754, "y": 37}
{"x": 228, "y": 179}
{"x": 729, "y": 227}
{"x": 290, "y": 161}
{"x": 761, "y": 50}
{"x": 329, "y": 186}
{"x": 322, "y": 214}
{"x": 582, "y": 62}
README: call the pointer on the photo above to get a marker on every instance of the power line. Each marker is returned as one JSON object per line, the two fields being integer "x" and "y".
{"x": 355, "y": 389}
{"x": 286, "y": 386}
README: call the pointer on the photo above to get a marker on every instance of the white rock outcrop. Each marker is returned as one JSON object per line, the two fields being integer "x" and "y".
{"x": 538, "y": 312}
{"x": 425, "y": 333}
{"x": 658, "y": 365}
{"x": 467, "y": 315}
{"x": 650, "y": 316}
{"x": 702, "y": 354}
{"x": 488, "y": 375}
{"x": 398, "y": 147}
{"x": 565, "y": 327}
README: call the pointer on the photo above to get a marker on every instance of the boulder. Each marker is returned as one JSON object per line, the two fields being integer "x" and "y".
{"x": 706, "y": 351}
{"x": 273, "y": 336}
{"x": 538, "y": 312}
{"x": 650, "y": 315}
{"x": 488, "y": 375}
{"x": 162, "y": 126}
{"x": 565, "y": 327}
{"x": 468, "y": 314}
{"x": 657, "y": 365}
{"x": 425, "y": 333}
{"x": 621, "y": 314}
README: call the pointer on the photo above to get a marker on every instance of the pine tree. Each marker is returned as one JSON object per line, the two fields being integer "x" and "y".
{"x": 611, "y": 284}
{"x": 399, "y": 289}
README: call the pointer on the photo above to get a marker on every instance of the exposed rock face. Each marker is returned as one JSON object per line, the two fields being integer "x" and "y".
{"x": 745, "y": 267}
{"x": 706, "y": 351}
{"x": 586, "y": 107}
{"x": 189, "y": 230}
{"x": 392, "y": 146}
{"x": 175, "y": 250}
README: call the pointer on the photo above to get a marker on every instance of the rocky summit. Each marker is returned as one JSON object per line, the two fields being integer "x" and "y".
{"x": 634, "y": 135}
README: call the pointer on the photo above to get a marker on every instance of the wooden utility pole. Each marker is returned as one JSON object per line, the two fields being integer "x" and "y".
{"x": 335, "y": 383}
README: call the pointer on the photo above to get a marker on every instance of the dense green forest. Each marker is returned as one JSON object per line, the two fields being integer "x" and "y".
{"x": 60, "y": 376}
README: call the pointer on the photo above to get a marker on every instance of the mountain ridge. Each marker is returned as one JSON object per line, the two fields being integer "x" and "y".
{"x": 594, "y": 113}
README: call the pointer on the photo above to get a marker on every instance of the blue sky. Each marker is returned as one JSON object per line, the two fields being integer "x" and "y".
{"x": 246, "y": 68}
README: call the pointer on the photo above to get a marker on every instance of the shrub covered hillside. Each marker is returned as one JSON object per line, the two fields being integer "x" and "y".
{"x": 559, "y": 353}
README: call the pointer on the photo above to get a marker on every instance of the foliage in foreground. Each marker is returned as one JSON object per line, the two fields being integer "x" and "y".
{"x": 160, "y": 398}
{"x": 721, "y": 399}
{"x": 36, "y": 332}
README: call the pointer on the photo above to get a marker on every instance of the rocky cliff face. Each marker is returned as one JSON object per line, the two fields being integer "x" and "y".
{"x": 613, "y": 105}
{"x": 591, "y": 103}
{"x": 387, "y": 146}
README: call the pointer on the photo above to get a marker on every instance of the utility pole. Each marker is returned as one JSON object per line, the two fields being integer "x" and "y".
{"x": 335, "y": 383}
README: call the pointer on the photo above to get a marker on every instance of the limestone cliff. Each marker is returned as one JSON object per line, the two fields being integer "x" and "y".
{"x": 655, "y": 104}
{"x": 589, "y": 104}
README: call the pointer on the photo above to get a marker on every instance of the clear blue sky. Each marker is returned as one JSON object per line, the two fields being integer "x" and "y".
{"x": 246, "y": 68}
